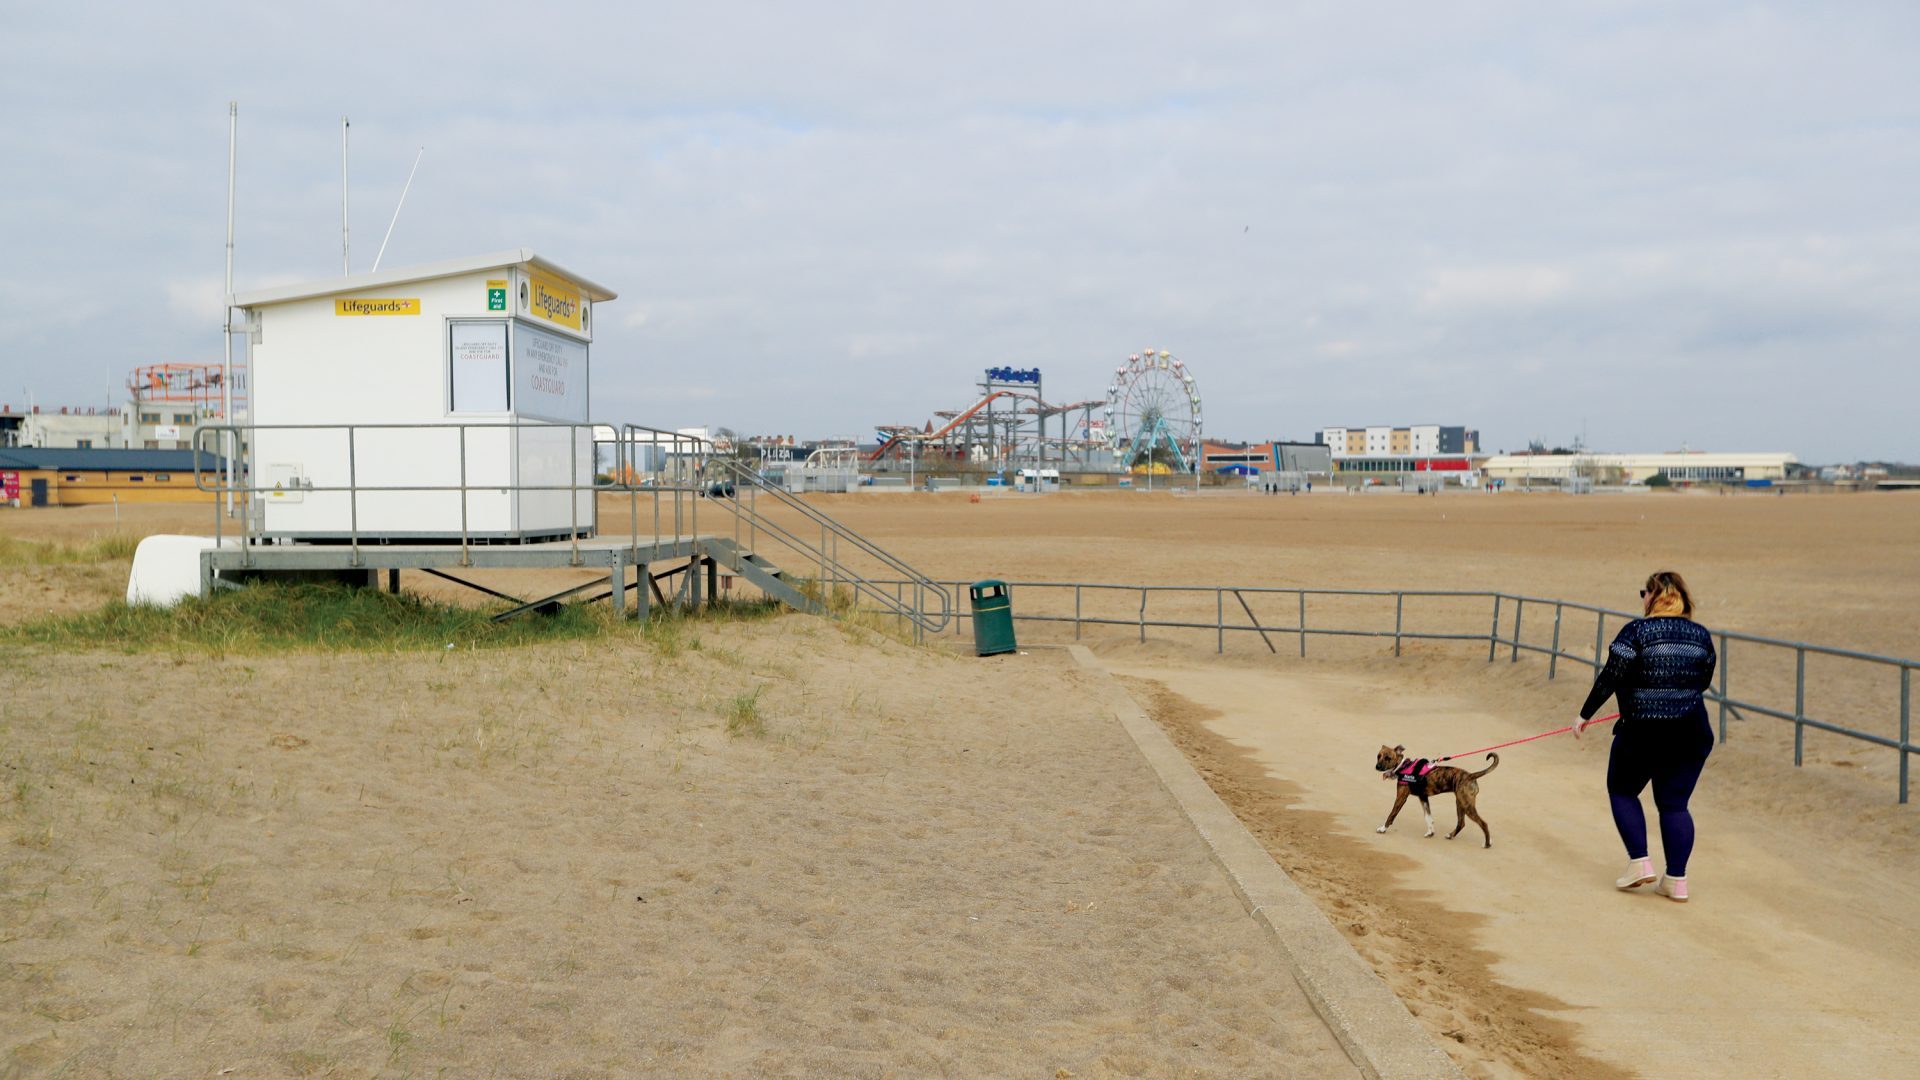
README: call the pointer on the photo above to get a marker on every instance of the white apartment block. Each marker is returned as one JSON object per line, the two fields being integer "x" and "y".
{"x": 1413, "y": 441}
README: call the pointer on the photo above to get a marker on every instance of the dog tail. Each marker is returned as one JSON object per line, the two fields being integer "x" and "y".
{"x": 1495, "y": 758}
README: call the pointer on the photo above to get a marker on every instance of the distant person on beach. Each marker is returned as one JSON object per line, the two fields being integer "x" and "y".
{"x": 1659, "y": 666}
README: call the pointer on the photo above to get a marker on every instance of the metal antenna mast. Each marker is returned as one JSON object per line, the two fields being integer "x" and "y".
{"x": 397, "y": 206}
{"x": 226, "y": 370}
{"x": 345, "y": 268}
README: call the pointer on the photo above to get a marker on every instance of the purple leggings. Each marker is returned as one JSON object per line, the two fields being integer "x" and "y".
{"x": 1669, "y": 754}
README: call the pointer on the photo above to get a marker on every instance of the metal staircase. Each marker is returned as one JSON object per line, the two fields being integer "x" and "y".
{"x": 767, "y": 577}
{"x": 787, "y": 548}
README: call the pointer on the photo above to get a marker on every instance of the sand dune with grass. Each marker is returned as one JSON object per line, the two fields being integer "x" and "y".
{"x": 772, "y": 846}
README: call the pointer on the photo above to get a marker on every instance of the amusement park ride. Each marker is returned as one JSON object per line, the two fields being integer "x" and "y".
{"x": 1153, "y": 408}
{"x": 1007, "y": 426}
{"x": 1150, "y": 422}
{"x": 198, "y": 385}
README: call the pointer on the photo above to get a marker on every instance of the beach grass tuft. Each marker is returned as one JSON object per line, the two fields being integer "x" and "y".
{"x": 106, "y": 547}
{"x": 268, "y": 617}
{"x": 743, "y": 715}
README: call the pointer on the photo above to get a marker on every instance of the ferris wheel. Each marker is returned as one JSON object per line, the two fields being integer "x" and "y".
{"x": 1153, "y": 413}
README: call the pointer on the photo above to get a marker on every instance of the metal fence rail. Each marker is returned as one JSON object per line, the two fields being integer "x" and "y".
{"x": 1187, "y": 606}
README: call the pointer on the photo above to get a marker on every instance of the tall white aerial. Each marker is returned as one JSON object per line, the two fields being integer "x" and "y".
{"x": 345, "y": 267}
{"x": 396, "y": 209}
{"x": 226, "y": 370}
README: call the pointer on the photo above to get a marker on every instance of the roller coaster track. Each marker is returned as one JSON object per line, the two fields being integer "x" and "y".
{"x": 894, "y": 441}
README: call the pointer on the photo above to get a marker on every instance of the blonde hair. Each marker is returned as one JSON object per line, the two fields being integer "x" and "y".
{"x": 1667, "y": 595}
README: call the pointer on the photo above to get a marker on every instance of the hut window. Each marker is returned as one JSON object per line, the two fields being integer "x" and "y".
{"x": 477, "y": 366}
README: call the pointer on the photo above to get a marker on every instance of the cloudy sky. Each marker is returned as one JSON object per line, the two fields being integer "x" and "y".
{"x": 1665, "y": 224}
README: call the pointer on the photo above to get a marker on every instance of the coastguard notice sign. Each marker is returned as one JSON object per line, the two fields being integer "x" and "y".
{"x": 554, "y": 300}
{"x": 549, "y": 375}
{"x": 362, "y": 305}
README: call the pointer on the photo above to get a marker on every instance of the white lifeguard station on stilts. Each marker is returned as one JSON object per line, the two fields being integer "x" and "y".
{"x": 470, "y": 378}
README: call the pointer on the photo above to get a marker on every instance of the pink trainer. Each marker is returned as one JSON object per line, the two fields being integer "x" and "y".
{"x": 1673, "y": 888}
{"x": 1639, "y": 872}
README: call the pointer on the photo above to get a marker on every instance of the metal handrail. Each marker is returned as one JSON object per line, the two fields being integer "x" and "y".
{"x": 706, "y": 460}
{"x": 835, "y": 572}
{"x": 1721, "y": 695}
{"x": 928, "y": 588}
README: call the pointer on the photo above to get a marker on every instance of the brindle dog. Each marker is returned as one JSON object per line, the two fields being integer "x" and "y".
{"x": 1438, "y": 781}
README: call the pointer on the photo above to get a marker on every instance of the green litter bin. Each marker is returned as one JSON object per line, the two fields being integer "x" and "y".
{"x": 992, "y": 618}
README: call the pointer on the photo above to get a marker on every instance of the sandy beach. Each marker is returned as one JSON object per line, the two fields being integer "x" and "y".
{"x": 1016, "y": 807}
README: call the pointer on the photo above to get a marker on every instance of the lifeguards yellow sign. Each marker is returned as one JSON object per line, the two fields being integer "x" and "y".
{"x": 359, "y": 305}
{"x": 554, "y": 300}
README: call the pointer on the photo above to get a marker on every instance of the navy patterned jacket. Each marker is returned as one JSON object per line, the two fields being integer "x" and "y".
{"x": 1658, "y": 666}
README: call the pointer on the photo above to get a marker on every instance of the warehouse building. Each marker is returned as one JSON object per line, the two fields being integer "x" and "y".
{"x": 1254, "y": 459}
{"x": 1689, "y": 467}
{"x": 38, "y": 476}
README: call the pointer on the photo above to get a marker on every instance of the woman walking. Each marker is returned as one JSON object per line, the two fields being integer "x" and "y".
{"x": 1659, "y": 666}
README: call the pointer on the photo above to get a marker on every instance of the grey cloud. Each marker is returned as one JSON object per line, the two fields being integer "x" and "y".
{"x": 834, "y": 216}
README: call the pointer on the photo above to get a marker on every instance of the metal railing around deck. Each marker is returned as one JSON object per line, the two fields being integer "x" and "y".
{"x": 245, "y": 480}
{"x": 1503, "y": 630}
{"x": 683, "y": 471}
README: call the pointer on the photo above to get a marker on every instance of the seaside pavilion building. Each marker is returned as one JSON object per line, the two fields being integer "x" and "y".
{"x": 1686, "y": 467}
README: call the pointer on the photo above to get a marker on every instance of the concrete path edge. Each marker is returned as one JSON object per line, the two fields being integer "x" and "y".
{"x": 1371, "y": 1023}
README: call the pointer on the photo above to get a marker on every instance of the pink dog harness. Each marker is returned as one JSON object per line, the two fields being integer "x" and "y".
{"x": 1410, "y": 771}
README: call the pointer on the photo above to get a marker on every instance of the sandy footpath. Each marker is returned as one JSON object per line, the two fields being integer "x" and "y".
{"x": 1796, "y": 957}
{"x": 556, "y": 862}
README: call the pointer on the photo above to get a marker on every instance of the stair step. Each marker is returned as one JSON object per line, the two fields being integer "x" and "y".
{"x": 761, "y": 573}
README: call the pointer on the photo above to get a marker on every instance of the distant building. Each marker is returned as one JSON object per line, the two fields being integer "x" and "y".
{"x": 138, "y": 426}
{"x": 1267, "y": 457}
{"x": 1415, "y": 448}
{"x": 39, "y": 476}
{"x": 1690, "y": 467}
{"x": 69, "y": 429}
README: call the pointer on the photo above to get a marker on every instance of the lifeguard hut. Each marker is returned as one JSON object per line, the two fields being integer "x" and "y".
{"x": 437, "y": 419}
{"x": 440, "y": 402}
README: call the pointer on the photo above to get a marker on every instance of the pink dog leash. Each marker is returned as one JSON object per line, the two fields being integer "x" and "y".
{"x": 1530, "y": 738}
